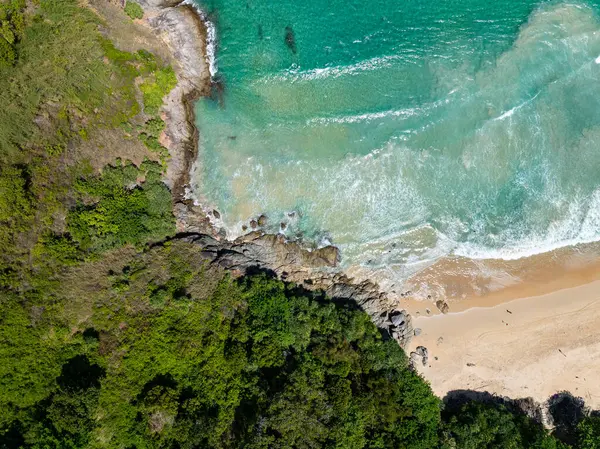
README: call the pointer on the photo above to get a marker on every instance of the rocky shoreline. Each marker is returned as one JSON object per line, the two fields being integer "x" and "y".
{"x": 314, "y": 270}
{"x": 185, "y": 34}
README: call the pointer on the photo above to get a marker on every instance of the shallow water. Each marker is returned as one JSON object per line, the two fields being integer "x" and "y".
{"x": 405, "y": 132}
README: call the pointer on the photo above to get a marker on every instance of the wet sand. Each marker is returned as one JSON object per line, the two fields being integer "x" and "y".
{"x": 467, "y": 283}
{"x": 534, "y": 346}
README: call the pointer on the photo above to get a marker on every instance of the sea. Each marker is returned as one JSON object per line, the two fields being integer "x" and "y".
{"x": 404, "y": 132}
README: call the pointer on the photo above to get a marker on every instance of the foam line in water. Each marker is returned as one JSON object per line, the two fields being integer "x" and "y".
{"x": 298, "y": 74}
{"x": 369, "y": 116}
{"x": 516, "y": 108}
{"x": 581, "y": 226}
{"x": 366, "y": 117}
{"x": 533, "y": 248}
{"x": 211, "y": 37}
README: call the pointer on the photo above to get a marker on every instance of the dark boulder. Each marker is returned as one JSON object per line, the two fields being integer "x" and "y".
{"x": 442, "y": 306}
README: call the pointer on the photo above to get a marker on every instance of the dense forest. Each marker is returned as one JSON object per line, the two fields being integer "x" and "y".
{"x": 114, "y": 332}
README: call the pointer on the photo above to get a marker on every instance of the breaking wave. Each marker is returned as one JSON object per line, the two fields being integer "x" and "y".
{"x": 487, "y": 148}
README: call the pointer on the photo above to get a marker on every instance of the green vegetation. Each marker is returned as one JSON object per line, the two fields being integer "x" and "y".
{"x": 134, "y": 10}
{"x": 56, "y": 81}
{"x": 493, "y": 426}
{"x": 68, "y": 85}
{"x": 150, "y": 133}
{"x": 156, "y": 87}
{"x": 114, "y": 335}
{"x": 115, "y": 209}
{"x": 174, "y": 354}
{"x": 12, "y": 27}
{"x": 588, "y": 433}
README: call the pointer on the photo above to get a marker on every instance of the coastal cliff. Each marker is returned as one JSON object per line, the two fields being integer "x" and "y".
{"x": 313, "y": 270}
{"x": 180, "y": 27}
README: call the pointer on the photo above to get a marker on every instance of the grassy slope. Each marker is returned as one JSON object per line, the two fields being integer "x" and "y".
{"x": 70, "y": 89}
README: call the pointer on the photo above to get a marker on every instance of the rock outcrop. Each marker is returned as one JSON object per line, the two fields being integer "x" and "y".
{"x": 399, "y": 325}
{"x": 419, "y": 355}
{"x": 442, "y": 306}
{"x": 313, "y": 269}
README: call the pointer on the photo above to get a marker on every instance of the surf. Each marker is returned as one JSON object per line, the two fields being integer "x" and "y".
{"x": 470, "y": 132}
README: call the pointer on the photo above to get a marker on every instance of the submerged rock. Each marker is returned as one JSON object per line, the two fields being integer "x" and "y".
{"x": 217, "y": 90}
{"x": 262, "y": 220}
{"x": 330, "y": 254}
{"x": 290, "y": 39}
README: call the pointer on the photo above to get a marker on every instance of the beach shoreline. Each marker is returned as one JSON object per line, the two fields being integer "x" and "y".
{"x": 534, "y": 338}
{"x": 469, "y": 283}
{"x": 533, "y": 346}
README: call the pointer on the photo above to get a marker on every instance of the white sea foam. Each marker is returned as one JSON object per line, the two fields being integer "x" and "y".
{"x": 211, "y": 38}
{"x": 530, "y": 248}
{"x": 516, "y": 108}
{"x": 370, "y": 116}
{"x": 568, "y": 232}
{"x": 298, "y": 74}
{"x": 366, "y": 117}
{"x": 580, "y": 226}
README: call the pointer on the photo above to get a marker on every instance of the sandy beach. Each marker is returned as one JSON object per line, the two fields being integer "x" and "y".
{"x": 529, "y": 347}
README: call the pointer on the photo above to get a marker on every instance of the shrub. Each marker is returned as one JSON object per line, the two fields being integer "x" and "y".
{"x": 7, "y": 53}
{"x": 155, "y": 87}
{"x": 122, "y": 211}
{"x": 133, "y": 10}
{"x": 12, "y": 25}
{"x": 588, "y": 433}
{"x": 481, "y": 425}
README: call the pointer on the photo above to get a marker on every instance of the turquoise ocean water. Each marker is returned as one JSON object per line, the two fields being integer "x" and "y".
{"x": 407, "y": 131}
